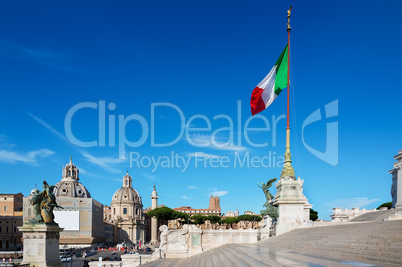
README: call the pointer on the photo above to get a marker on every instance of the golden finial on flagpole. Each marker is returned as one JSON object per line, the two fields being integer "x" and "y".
{"x": 289, "y": 10}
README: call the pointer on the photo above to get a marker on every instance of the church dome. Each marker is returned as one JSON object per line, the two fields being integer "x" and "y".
{"x": 69, "y": 185}
{"x": 126, "y": 193}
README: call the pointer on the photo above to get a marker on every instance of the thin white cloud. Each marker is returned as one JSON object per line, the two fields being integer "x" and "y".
{"x": 149, "y": 176}
{"x": 202, "y": 155}
{"x": 50, "y": 128}
{"x": 103, "y": 162}
{"x": 205, "y": 140}
{"x": 232, "y": 148}
{"x": 28, "y": 158}
{"x": 4, "y": 143}
{"x": 349, "y": 203}
{"x": 85, "y": 172}
{"x": 47, "y": 58}
{"x": 219, "y": 193}
{"x": 185, "y": 197}
{"x": 192, "y": 187}
{"x": 97, "y": 176}
{"x": 200, "y": 138}
{"x": 17, "y": 51}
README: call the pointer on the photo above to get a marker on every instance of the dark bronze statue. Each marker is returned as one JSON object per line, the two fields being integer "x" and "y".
{"x": 44, "y": 202}
{"x": 270, "y": 210}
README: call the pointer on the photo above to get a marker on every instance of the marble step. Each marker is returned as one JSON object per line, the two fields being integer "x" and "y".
{"x": 356, "y": 253}
{"x": 378, "y": 242}
{"x": 373, "y": 216}
{"x": 362, "y": 243}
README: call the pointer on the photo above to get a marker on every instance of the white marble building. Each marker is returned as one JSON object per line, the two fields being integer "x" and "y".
{"x": 230, "y": 213}
{"x": 126, "y": 213}
{"x": 396, "y": 188}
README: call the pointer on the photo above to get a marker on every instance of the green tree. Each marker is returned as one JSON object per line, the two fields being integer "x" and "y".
{"x": 313, "y": 215}
{"x": 214, "y": 219}
{"x": 231, "y": 221}
{"x": 181, "y": 217}
{"x": 386, "y": 204}
{"x": 247, "y": 219}
{"x": 163, "y": 214}
{"x": 198, "y": 219}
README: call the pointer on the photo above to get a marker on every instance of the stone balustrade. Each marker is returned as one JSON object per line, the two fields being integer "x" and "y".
{"x": 343, "y": 215}
{"x": 216, "y": 238}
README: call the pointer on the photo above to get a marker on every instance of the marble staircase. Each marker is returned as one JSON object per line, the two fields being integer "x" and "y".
{"x": 373, "y": 216}
{"x": 374, "y": 243}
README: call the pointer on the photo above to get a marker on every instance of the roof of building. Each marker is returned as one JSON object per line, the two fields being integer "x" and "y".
{"x": 69, "y": 185}
{"x": 10, "y": 194}
{"x": 126, "y": 193}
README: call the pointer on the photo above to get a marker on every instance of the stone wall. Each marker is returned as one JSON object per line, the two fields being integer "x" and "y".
{"x": 191, "y": 240}
{"x": 128, "y": 260}
{"x": 343, "y": 215}
{"x": 215, "y": 238}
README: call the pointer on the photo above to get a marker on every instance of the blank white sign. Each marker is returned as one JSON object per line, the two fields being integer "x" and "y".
{"x": 69, "y": 219}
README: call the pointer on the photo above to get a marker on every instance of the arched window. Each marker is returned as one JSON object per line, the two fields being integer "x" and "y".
{"x": 124, "y": 210}
{"x": 114, "y": 211}
{"x": 136, "y": 211}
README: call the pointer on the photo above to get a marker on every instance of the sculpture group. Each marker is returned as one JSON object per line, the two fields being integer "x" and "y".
{"x": 177, "y": 239}
{"x": 270, "y": 210}
{"x": 44, "y": 202}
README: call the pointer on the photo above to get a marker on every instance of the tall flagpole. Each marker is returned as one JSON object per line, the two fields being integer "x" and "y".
{"x": 288, "y": 170}
{"x": 288, "y": 30}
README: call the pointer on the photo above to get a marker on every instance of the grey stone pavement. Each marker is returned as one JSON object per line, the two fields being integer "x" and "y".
{"x": 257, "y": 255}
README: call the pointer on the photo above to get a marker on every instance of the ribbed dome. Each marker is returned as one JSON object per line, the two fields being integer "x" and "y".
{"x": 70, "y": 188}
{"x": 69, "y": 185}
{"x": 126, "y": 193}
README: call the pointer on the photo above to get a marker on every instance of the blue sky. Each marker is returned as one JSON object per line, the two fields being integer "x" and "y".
{"x": 203, "y": 58}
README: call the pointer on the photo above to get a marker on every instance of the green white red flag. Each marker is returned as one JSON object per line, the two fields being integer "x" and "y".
{"x": 269, "y": 88}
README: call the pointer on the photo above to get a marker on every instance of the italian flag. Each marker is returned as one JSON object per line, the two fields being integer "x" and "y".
{"x": 268, "y": 89}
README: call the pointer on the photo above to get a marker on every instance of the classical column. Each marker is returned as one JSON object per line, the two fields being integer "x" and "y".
{"x": 396, "y": 188}
{"x": 154, "y": 221}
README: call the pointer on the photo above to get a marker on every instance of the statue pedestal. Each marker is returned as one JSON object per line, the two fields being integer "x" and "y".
{"x": 41, "y": 244}
{"x": 195, "y": 246}
{"x": 177, "y": 243}
{"x": 266, "y": 229}
{"x": 293, "y": 206}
